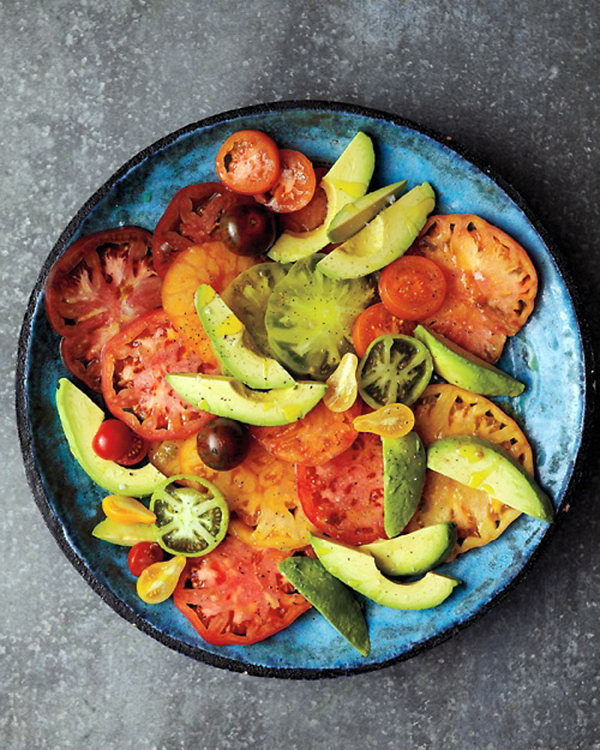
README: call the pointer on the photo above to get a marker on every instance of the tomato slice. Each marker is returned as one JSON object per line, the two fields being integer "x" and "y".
{"x": 344, "y": 497}
{"x": 412, "y": 287}
{"x": 249, "y": 162}
{"x": 236, "y": 594}
{"x": 317, "y": 438}
{"x": 313, "y": 215}
{"x": 295, "y": 187}
{"x": 492, "y": 282}
{"x": 374, "y": 322}
{"x": 193, "y": 216}
{"x": 134, "y": 365}
{"x": 102, "y": 282}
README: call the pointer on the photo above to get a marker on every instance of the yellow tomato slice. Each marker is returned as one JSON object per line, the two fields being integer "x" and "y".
{"x": 392, "y": 421}
{"x": 126, "y": 510}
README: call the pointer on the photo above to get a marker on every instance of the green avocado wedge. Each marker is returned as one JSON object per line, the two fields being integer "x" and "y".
{"x": 234, "y": 347}
{"x": 330, "y": 597}
{"x": 385, "y": 238}
{"x": 404, "y": 464}
{"x": 415, "y": 553}
{"x": 347, "y": 180}
{"x": 485, "y": 466}
{"x": 80, "y": 419}
{"x": 354, "y": 216}
{"x": 359, "y": 571}
{"x": 227, "y": 397}
{"x": 460, "y": 367}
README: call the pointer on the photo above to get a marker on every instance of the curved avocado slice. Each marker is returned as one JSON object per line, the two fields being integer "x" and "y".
{"x": 358, "y": 570}
{"x": 347, "y": 180}
{"x": 484, "y": 466}
{"x": 80, "y": 419}
{"x": 415, "y": 553}
{"x": 233, "y": 345}
{"x": 404, "y": 465}
{"x": 461, "y": 368}
{"x": 330, "y": 597}
{"x": 354, "y": 216}
{"x": 385, "y": 238}
{"x": 228, "y": 397}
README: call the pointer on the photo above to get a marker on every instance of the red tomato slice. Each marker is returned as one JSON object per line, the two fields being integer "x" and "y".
{"x": 191, "y": 218}
{"x": 492, "y": 282}
{"x": 134, "y": 365}
{"x": 249, "y": 162}
{"x": 295, "y": 187}
{"x": 101, "y": 283}
{"x": 376, "y": 321}
{"x": 344, "y": 497}
{"x": 313, "y": 214}
{"x": 236, "y": 594}
{"x": 412, "y": 287}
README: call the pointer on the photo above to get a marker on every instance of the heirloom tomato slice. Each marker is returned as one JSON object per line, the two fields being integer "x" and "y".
{"x": 446, "y": 411}
{"x": 236, "y": 594}
{"x": 134, "y": 365}
{"x": 100, "y": 284}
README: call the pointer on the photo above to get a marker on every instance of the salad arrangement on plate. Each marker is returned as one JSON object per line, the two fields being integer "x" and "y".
{"x": 296, "y": 371}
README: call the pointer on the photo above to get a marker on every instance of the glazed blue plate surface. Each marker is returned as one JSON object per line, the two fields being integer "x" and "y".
{"x": 548, "y": 355}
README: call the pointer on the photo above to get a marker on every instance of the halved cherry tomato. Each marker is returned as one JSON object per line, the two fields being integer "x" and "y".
{"x": 412, "y": 287}
{"x": 157, "y": 582}
{"x": 317, "y": 438}
{"x": 249, "y": 162}
{"x": 342, "y": 385}
{"x": 127, "y": 510}
{"x": 102, "y": 282}
{"x": 134, "y": 365}
{"x": 392, "y": 421}
{"x": 115, "y": 441}
{"x": 344, "y": 497}
{"x": 193, "y": 216}
{"x": 295, "y": 187}
{"x": 492, "y": 282}
{"x": 237, "y": 594}
{"x": 374, "y": 322}
{"x": 313, "y": 214}
{"x": 142, "y": 555}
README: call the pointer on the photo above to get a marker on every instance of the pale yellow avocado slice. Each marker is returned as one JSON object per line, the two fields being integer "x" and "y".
{"x": 80, "y": 419}
{"x": 359, "y": 571}
{"x": 347, "y": 180}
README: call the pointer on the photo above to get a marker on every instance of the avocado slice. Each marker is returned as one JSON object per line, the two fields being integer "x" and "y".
{"x": 404, "y": 465}
{"x": 415, "y": 553}
{"x": 358, "y": 570}
{"x": 234, "y": 347}
{"x": 461, "y": 368}
{"x": 228, "y": 397}
{"x": 347, "y": 180}
{"x": 80, "y": 419}
{"x": 330, "y": 597}
{"x": 484, "y": 466}
{"x": 385, "y": 238}
{"x": 354, "y": 216}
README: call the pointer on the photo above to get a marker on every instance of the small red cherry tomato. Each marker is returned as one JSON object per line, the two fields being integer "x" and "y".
{"x": 248, "y": 162}
{"x": 295, "y": 187}
{"x": 114, "y": 441}
{"x": 142, "y": 555}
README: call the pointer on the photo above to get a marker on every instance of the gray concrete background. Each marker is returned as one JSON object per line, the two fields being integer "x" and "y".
{"x": 85, "y": 84}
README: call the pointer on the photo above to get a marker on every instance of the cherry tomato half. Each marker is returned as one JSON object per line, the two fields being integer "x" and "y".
{"x": 295, "y": 187}
{"x": 114, "y": 441}
{"x": 374, "y": 322}
{"x": 142, "y": 555}
{"x": 313, "y": 215}
{"x": 412, "y": 287}
{"x": 248, "y": 162}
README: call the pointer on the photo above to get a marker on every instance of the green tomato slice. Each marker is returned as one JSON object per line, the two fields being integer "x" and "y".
{"x": 395, "y": 369}
{"x": 247, "y": 296}
{"x": 189, "y": 521}
{"x": 309, "y": 317}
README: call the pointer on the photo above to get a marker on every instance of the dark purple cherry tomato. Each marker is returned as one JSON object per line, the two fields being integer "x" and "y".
{"x": 248, "y": 229}
{"x": 114, "y": 441}
{"x": 223, "y": 443}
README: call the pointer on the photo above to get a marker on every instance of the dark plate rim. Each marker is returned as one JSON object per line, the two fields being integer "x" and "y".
{"x": 22, "y": 400}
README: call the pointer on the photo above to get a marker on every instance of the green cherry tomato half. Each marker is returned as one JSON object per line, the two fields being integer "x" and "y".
{"x": 190, "y": 521}
{"x": 395, "y": 369}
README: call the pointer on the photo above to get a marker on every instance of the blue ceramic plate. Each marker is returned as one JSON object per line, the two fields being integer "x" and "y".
{"x": 548, "y": 355}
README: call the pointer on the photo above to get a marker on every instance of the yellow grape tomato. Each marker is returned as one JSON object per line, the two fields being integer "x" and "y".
{"x": 342, "y": 387}
{"x": 126, "y": 510}
{"x": 158, "y": 581}
{"x": 391, "y": 421}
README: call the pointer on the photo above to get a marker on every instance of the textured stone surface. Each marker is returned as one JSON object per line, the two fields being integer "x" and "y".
{"x": 87, "y": 84}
